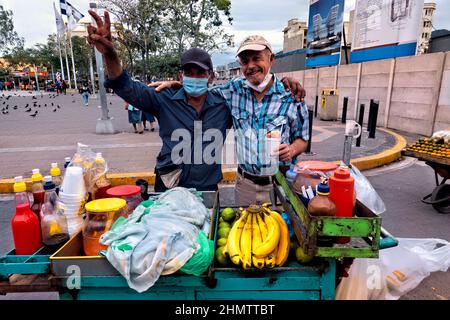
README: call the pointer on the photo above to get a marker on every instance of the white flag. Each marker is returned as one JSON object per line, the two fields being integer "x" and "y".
{"x": 59, "y": 21}
{"x": 73, "y": 16}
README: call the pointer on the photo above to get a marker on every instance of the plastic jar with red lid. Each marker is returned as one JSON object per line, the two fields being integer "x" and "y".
{"x": 130, "y": 193}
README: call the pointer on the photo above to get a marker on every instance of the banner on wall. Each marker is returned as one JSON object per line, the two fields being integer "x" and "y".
{"x": 385, "y": 29}
{"x": 326, "y": 18}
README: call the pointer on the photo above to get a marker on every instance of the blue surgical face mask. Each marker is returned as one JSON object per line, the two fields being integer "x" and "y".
{"x": 195, "y": 86}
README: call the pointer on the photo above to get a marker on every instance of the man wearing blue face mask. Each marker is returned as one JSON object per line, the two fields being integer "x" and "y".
{"x": 191, "y": 113}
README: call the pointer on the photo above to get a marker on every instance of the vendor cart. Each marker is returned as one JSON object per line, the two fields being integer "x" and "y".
{"x": 77, "y": 277}
{"x": 439, "y": 198}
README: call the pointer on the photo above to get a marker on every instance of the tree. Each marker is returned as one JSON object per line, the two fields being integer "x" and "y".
{"x": 140, "y": 20}
{"x": 8, "y": 37}
{"x": 81, "y": 53}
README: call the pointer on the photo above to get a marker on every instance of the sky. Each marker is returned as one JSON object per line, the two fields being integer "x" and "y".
{"x": 34, "y": 19}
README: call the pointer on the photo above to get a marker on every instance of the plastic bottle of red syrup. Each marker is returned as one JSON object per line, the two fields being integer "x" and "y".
{"x": 25, "y": 225}
{"x": 342, "y": 193}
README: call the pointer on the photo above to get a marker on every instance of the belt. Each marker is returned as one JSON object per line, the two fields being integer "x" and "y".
{"x": 259, "y": 180}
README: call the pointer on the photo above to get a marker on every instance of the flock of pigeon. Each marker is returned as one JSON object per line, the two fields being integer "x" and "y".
{"x": 32, "y": 108}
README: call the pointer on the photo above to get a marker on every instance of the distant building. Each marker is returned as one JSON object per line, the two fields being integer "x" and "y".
{"x": 440, "y": 41}
{"x": 426, "y": 28}
{"x": 295, "y": 35}
{"x": 227, "y": 71}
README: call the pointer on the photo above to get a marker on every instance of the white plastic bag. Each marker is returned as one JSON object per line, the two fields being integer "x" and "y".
{"x": 397, "y": 271}
{"x": 366, "y": 193}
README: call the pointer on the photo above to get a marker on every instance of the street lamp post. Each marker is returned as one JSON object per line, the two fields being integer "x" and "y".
{"x": 104, "y": 124}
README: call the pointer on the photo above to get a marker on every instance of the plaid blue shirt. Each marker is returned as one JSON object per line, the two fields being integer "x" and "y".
{"x": 252, "y": 120}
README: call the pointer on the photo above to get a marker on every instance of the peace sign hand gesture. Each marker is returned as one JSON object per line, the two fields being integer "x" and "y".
{"x": 100, "y": 36}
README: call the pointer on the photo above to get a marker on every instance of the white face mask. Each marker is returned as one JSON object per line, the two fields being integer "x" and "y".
{"x": 260, "y": 87}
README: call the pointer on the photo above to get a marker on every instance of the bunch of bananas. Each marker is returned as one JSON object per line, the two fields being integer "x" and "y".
{"x": 259, "y": 238}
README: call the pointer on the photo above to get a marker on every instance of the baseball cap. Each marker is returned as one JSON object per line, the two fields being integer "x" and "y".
{"x": 198, "y": 57}
{"x": 254, "y": 43}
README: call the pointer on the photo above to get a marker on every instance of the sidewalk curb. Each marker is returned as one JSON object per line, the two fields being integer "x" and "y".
{"x": 229, "y": 174}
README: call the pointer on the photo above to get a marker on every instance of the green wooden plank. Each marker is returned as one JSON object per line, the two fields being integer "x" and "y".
{"x": 269, "y": 284}
{"x": 163, "y": 281}
{"x": 332, "y": 252}
{"x": 298, "y": 207}
{"x": 351, "y": 227}
{"x": 130, "y": 294}
{"x": 328, "y": 283}
{"x": 257, "y": 295}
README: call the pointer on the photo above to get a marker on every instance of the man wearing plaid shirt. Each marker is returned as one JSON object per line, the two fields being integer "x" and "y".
{"x": 260, "y": 106}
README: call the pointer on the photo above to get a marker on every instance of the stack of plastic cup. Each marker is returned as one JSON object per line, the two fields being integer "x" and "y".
{"x": 73, "y": 195}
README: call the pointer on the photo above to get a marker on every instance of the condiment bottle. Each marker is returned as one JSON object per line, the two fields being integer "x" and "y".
{"x": 37, "y": 188}
{"x": 25, "y": 224}
{"x": 321, "y": 204}
{"x": 342, "y": 193}
{"x": 53, "y": 219}
{"x": 55, "y": 173}
{"x": 102, "y": 183}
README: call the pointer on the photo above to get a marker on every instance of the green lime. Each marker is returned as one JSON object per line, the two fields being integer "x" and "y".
{"x": 301, "y": 256}
{"x": 221, "y": 242}
{"x": 224, "y": 225}
{"x": 228, "y": 214}
{"x": 223, "y": 232}
{"x": 222, "y": 261}
{"x": 221, "y": 220}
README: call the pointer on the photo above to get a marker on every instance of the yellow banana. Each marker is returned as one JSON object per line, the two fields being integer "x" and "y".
{"x": 285, "y": 241}
{"x": 233, "y": 243}
{"x": 271, "y": 241}
{"x": 270, "y": 260}
{"x": 262, "y": 227}
{"x": 256, "y": 241}
{"x": 246, "y": 243}
{"x": 225, "y": 252}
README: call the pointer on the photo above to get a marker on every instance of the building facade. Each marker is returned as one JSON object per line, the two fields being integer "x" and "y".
{"x": 426, "y": 28}
{"x": 295, "y": 35}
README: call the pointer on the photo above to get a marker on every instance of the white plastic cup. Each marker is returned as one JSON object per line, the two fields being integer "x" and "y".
{"x": 73, "y": 183}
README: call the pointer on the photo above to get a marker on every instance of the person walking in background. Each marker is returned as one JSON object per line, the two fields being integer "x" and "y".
{"x": 84, "y": 90}
{"x": 150, "y": 118}
{"x": 134, "y": 117}
{"x": 63, "y": 87}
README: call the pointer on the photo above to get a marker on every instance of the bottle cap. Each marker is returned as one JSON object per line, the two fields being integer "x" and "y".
{"x": 36, "y": 175}
{"x": 48, "y": 185}
{"x": 342, "y": 173}
{"x": 55, "y": 171}
{"x": 19, "y": 185}
{"x": 323, "y": 189}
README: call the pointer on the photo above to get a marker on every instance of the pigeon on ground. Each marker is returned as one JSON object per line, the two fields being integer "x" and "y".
{"x": 54, "y": 110}
{"x": 45, "y": 105}
{"x": 52, "y": 104}
{"x": 58, "y": 106}
{"x": 34, "y": 115}
{"x": 29, "y": 110}
{"x": 15, "y": 107}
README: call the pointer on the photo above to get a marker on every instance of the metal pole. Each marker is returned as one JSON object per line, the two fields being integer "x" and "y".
{"x": 344, "y": 110}
{"x": 36, "y": 76}
{"x": 53, "y": 75}
{"x": 360, "y": 122}
{"x": 73, "y": 60}
{"x": 373, "y": 126}
{"x": 315, "y": 106}
{"x": 308, "y": 147}
{"x": 104, "y": 125}
{"x": 369, "y": 120}
{"x": 91, "y": 71}
{"x": 60, "y": 57}
{"x": 67, "y": 63}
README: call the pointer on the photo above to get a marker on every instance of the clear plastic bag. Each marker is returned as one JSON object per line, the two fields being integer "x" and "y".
{"x": 93, "y": 172}
{"x": 365, "y": 192}
{"x": 397, "y": 271}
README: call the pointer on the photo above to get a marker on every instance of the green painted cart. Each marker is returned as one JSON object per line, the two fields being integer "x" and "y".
{"x": 99, "y": 280}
